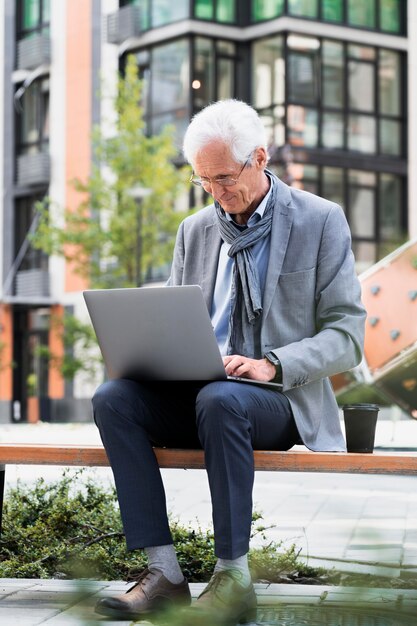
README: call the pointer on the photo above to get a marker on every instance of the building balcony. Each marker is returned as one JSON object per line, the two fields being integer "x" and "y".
{"x": 123, "y": 24}
{"x": 32, "y": 283}
{"x": 33, "y": 52}
{"x": 33, "y": 169}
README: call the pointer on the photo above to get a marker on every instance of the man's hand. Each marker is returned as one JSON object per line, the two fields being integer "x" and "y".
{"x": 257, "y": 369}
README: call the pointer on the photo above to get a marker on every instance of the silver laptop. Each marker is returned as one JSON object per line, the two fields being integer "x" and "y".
{"x": 158, "y": 333}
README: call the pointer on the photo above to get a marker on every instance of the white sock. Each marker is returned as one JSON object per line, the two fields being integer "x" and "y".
{"x": 239, "y": 565}
{"x": 165, "y": 559}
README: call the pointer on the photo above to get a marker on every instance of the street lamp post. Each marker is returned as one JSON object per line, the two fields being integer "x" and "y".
{"x": 138, "y": 193}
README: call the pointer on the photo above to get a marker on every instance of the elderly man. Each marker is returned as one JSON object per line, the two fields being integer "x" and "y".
{"x": 277, "y": 271}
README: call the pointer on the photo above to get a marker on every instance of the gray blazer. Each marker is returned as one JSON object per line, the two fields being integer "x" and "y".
{"x": 313, "y": 318}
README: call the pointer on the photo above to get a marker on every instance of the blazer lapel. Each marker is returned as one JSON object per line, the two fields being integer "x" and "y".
{"x": 280, "y": 234}
{"x": 212, "y": 245}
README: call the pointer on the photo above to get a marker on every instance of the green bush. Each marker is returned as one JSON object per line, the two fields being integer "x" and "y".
{"x": 59, "y": 531}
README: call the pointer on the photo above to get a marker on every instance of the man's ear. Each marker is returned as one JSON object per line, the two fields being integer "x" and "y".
{"x": 261, "y": 158}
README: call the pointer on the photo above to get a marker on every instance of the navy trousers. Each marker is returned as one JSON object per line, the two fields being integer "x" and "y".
{"x": 227, "y": 419}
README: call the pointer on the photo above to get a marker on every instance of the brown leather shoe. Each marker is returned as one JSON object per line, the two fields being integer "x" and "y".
{"x": 224, "y": 601}
{"x": 151, "y": 593}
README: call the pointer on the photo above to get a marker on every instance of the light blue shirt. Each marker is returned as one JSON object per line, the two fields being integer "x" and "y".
{"x": 220, "y": 310}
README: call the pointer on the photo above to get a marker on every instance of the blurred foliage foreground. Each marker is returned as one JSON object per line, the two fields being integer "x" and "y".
{"x": 71, "y": 529}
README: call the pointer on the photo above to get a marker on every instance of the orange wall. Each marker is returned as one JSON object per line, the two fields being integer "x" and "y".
{"x": 78, "y": 111}
{"x": 56, "y": 384}
{"x": 6, "y": 338}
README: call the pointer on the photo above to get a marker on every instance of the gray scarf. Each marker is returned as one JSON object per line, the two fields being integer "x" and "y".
{"x": 246, "y": 297}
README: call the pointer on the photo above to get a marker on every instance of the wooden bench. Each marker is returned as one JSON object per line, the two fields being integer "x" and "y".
{"x": 265, "y": 460}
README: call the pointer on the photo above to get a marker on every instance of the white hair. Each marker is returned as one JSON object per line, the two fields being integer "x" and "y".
{"x": 232, "y": 122}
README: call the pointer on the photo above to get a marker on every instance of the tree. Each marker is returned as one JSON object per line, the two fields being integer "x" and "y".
{"x": 111, "y": 238}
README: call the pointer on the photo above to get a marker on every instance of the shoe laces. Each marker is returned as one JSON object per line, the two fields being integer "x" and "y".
{"x": 142, "y": 578}
{"x": 218, "y": 580}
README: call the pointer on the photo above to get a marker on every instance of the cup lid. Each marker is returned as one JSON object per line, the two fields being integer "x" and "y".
{"x": 365, "y": 406}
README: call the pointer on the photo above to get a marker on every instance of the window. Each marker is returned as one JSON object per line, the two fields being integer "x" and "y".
{"x": 333, "y": 185}
{"x": 302, "y": 126}
{"x": 24, "y": 215}
{"x": 329, "y": 94}
{"x": 361, "y": 86}
{"x": 213, "y": 75}
{"x": 390, "y": 213}
{"x": 390, "y": 15}
{"x": 33, "y": 16}
{"x": 333, "y": 86}
{"x": 361, "y": 13}
{"x": 33, "y": 121}
{"x": 389, "y": 82}
{"x": 215, "y": 10}
{"x": 384, "y": 15}
{"x": 266, "y": 9}
{"x": 303, "y": 8}
{"x": 332, "y": 10}
{"x": 362, "y": 194}
{"x": 166, "y": 11}
{"x": 303, "y": 63}
{"x": 169, "y": 74}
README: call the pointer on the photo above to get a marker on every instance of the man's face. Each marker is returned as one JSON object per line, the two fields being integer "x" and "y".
{"x": 215, "y": 162}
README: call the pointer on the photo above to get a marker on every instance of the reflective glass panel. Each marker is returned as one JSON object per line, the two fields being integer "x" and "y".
{"x": 302, "y": 77}
{"x": 361, "y": 13}
{"x": 390, "y": 137}
{"x": 362, "y": 212}
{"x": 203, "y": 75}
{"x": 361, "y": 86}
{"x": 30, "y": 115}
{"x": 46, "y": 11}
{"x": 361, "y": 177}
{"x": 170, "y": 76}
{"x": 390, "y": 15}
{"x": 225, "y": 47}
{"x": 390, "y": 206}
{"x": 273, "y": 120}
{"x": 362, "y": 133}
{"x": 365, "y": 254}
{"x": 333, "y": 85}
{"x": 30, "y": 14}
{"x": 225, "y": 79}
{"x": 389, "y": 82}
{"x": 269, "y": 72}
{"x": 225, "y": 11}
{"x": 333, "y": 185}
{"x": 302, "y": 126}
{"x": 305, "y": 177}
{"x": 363, "y": 53}
{"x": 332, "y": 10}
{"x": 44, "y": 109}
{"x": 204, "y": 9}
{"x": 332, "y": 130}
{"x": 166, "y": 11}
{"x": 303, "y": 8}
{"x": 179, "y": 119}
{"x": 266, "y": 9}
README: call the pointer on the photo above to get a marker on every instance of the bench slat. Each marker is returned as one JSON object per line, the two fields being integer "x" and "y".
{"x": 290, "y": 461}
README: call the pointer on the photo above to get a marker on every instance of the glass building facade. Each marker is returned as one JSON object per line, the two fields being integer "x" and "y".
{"x": 386, "y": 16}
{"x": 335, "y": 109}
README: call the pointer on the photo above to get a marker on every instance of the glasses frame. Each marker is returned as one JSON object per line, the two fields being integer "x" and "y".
{"x": 198, "y": 182}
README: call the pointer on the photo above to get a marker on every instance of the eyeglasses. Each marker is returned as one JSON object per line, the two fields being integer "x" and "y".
{"x": 224, "y": 181}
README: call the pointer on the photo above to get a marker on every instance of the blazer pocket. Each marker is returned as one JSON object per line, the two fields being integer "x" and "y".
{"x": 297, "y": 277}
{"x": 296, "y": 304}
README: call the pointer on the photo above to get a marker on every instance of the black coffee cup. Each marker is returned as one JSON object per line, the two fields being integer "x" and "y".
{"x": 360, "y": 425}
